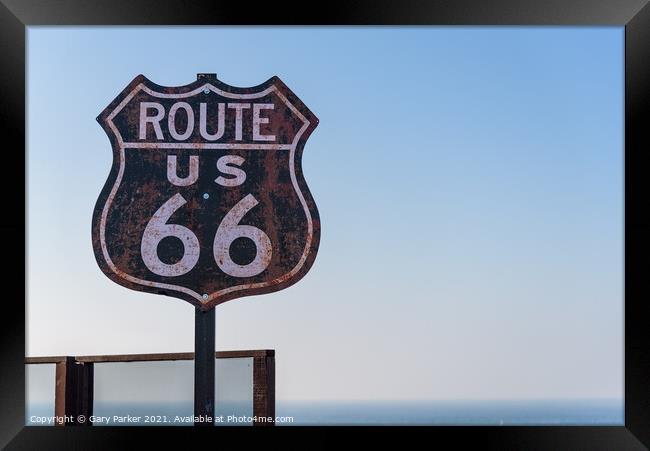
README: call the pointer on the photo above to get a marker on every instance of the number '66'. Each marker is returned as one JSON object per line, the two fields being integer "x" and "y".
{"x": 227, "y": 232}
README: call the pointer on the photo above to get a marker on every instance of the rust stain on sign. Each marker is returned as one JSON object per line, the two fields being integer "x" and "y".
{"x": 206, "y": 200}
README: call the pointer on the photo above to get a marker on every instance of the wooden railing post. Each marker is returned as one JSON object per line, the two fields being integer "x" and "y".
{"x": 63, "y": 381}
{"x": 73, "y": 396}
{"x": 264, "y": 389}
{"x": 85, "y": 388}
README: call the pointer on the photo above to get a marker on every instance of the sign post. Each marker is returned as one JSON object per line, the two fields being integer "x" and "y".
{"x": 206, "y": 199}
{"x": 204, "y": 362}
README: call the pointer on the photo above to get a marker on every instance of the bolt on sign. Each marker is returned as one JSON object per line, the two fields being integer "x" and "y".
{"x": 206, "y": 199}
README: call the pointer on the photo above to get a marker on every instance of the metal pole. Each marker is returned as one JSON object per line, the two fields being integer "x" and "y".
{"x": 204, "y": 356}
{"x": 204, "y": 360}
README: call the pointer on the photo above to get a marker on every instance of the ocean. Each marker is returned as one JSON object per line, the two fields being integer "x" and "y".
{"x": 304, "y": 413}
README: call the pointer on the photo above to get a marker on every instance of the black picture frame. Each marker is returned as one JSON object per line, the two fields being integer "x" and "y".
{"x": 634, "y": 15}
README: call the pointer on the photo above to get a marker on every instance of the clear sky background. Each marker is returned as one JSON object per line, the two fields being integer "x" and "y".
{"x": 470, "y": 188}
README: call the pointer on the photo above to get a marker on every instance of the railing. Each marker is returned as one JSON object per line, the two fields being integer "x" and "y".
{"x": 73, "y": 396}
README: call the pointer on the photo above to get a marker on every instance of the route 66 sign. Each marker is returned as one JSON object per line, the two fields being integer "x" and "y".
{"x": 206, "y": 199}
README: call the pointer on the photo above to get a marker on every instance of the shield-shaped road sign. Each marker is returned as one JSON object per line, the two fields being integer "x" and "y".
{"x": 206, "y": 199}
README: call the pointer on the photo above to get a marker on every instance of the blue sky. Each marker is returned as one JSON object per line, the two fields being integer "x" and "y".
{"x": 470, "y": 187}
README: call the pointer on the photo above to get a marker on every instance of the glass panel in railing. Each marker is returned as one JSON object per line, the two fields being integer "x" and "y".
{"x": 234, "y": 391}
{"x": 150, "y": 393}
{"x": 40, "y": 385}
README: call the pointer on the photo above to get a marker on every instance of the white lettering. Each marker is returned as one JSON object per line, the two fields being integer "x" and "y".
{"x": 172, "y": 171}
{"x": 257, "y": 121}
{"x": 153, "y": 120}
{"x": 203, "y": 128}
{"x": 223, "y": 166}
{"x": 171, "y": 120}
{"x": 238, "y": 107}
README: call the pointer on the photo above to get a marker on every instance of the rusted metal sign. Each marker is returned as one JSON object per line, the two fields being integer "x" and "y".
{"x": 206, "y": 199}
